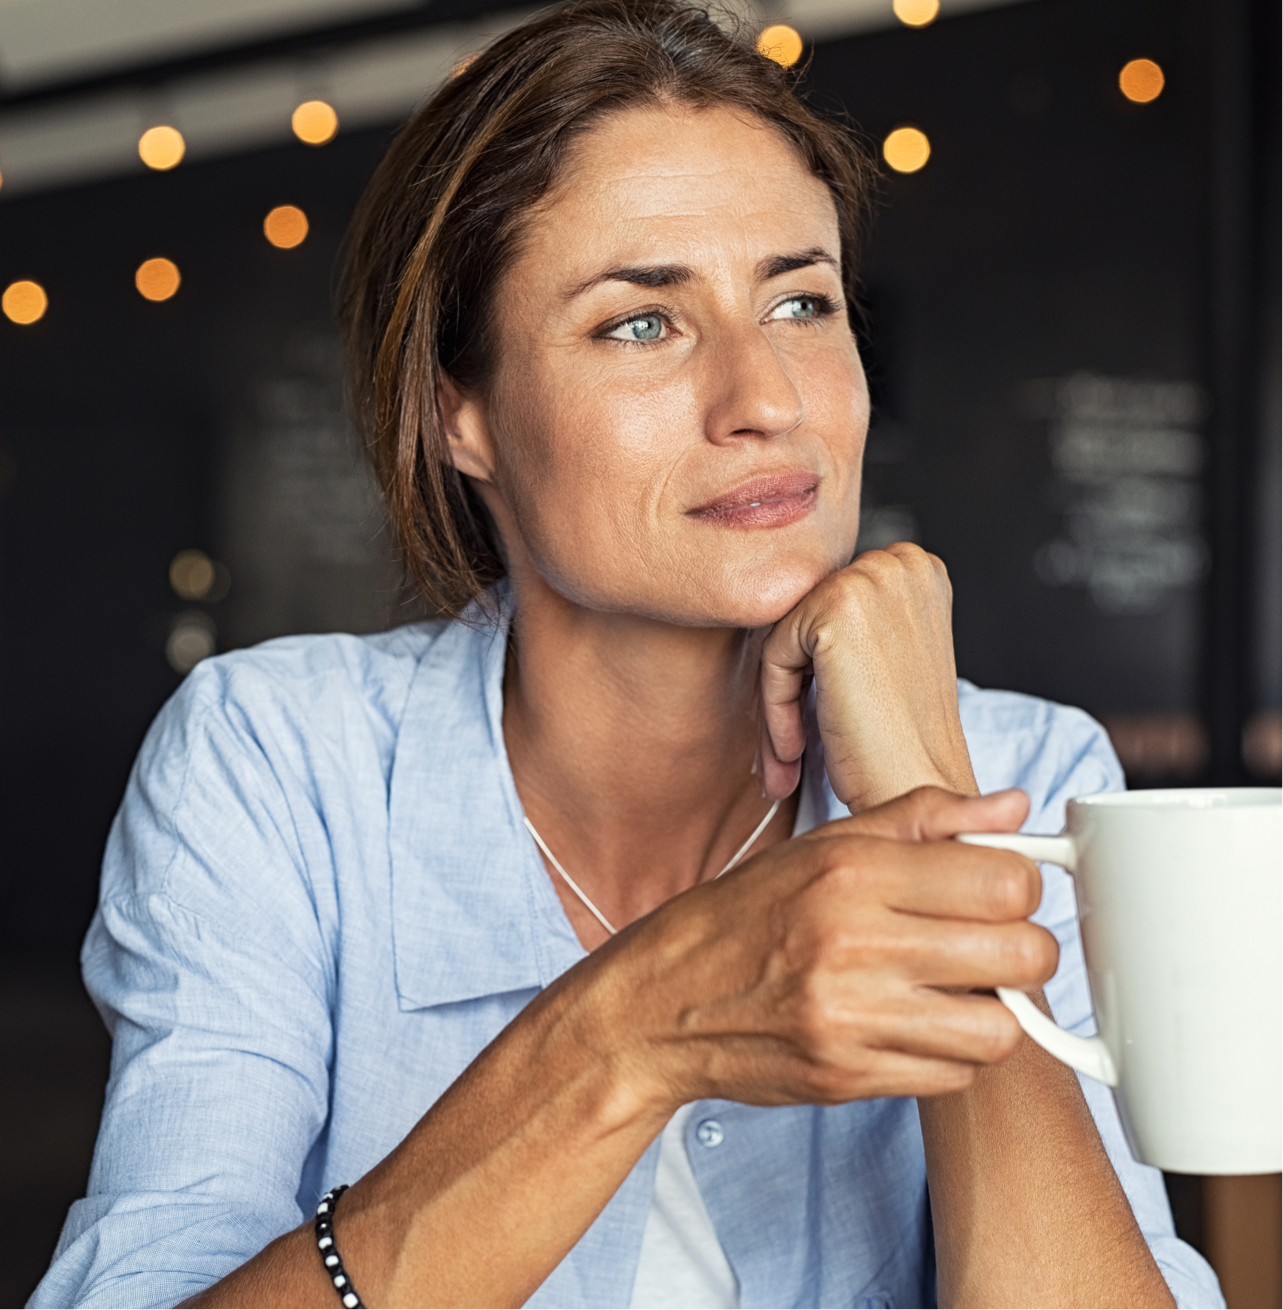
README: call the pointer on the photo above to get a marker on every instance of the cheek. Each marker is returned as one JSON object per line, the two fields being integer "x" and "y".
{"x": 836, "y": 400}
{"x": 582, "y": 468}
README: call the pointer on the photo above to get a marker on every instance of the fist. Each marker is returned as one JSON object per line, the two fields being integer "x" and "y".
{"x": 877, "y": 638}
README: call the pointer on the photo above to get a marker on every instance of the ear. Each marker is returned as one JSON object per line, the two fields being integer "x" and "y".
{"x": 467, "y": 432}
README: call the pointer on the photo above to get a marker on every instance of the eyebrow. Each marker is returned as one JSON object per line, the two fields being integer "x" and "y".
{"x": 775, "y": 265}
{"x": 643, "y": 275}
{"x": 673, "y": 275}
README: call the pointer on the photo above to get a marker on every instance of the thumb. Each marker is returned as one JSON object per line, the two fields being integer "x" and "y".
{"x": 933, "y": 814}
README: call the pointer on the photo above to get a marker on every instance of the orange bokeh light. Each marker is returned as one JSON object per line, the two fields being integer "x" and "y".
{"x": 161, "y": 147}
{"x": 906, "y": 149}
{"x": 157, "y": 279}
{"x": 24, "y": 302}
{"x": 314, "y": 122}
{"x": 781, "y": 43}
{"x": 1141, "y": 80}
{"x": 285, "y": 226}
{"x": 916, "y": 13}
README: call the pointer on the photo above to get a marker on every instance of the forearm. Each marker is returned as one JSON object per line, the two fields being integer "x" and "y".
{"x": 491, "y": 1189}
{"x": 1026, "y": 1206}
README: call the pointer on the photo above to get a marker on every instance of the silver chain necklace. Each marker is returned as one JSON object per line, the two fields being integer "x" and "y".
{"x": 600, "y": 917}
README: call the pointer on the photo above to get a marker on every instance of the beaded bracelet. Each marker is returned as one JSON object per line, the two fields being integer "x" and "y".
{"x": 330, "y": 1253}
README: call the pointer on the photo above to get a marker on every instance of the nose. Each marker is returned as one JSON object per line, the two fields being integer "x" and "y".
{"x": 748, "y": 390}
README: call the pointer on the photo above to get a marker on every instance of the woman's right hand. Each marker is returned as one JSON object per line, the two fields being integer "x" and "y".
{"x": 836, "y": 966}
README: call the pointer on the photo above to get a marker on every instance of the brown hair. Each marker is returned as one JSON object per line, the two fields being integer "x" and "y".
{"x": 440, "y": 220}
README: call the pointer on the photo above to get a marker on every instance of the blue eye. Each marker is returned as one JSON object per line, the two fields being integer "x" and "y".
{"x": 801, "y": 307}
{"x": 649, "y": 327}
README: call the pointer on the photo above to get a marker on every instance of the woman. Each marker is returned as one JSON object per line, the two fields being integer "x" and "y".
{"x": 438, "y": 913}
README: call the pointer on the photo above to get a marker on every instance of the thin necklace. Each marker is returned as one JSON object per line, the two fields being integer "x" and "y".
{"x": 601, "y": 918}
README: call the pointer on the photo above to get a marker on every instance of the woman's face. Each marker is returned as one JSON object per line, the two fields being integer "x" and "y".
{"x": 678, "y": 412}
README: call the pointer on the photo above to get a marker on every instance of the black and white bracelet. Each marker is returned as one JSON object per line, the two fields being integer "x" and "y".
{"x": 330, "y": 1257}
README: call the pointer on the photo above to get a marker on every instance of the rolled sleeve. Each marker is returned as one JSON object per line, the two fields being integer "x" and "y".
{"x": 206, "y": 960}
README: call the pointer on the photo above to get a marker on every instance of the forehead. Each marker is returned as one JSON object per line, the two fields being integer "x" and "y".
{"x": 670, "y": 181}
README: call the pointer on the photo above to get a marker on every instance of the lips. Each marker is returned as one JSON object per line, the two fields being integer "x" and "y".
{"x": 771, "y": 501}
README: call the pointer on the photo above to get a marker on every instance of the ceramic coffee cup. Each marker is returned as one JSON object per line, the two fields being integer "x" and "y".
{"x": 1179, "y": 902}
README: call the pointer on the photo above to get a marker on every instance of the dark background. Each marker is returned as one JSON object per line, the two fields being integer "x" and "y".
{"x": 1057, "y": 232}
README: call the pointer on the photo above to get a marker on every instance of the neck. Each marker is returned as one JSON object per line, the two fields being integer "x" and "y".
{"x": 633, "y": 745}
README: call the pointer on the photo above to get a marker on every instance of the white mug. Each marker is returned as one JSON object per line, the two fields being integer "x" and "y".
{"x": 1179, "y": 901}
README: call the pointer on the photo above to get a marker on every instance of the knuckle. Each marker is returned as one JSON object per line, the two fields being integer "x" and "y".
{"x": 847, "y": 872}
{"x": 827, "y": 1084}
{"x": 928, "y": 798}
{"x": 810, "y": 1011}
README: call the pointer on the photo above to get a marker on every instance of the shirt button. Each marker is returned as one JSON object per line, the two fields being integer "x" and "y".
{"x": 709, "y": 1133}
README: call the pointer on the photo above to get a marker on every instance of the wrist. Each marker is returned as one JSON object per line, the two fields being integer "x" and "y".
{"x": 597, "y": 1024}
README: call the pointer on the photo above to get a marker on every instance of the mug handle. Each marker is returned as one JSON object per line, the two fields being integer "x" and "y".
{"x": 1088, "y": 1055}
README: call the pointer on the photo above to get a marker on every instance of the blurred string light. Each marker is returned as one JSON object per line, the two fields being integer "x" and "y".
{"x": 285, "y": 226}
{"x": 781, "y": 43}
{"x": 1141, "y": 80}
{"x": 161, "y": 147}
{"x": 157, "y": 279}
{"x": 194, "y": 576}
{"x": 191, "y": 639}
{"x": 24, "y": 301}
{"x": 916, "y": 13}
{"x": 314, "y": 122}
{"x": 906, "y": 149}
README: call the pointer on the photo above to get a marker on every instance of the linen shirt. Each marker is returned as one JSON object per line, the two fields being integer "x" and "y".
{"x": 319, "y": 904}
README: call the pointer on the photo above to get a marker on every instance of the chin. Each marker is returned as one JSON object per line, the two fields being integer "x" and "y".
{"x": 739, "y": 598}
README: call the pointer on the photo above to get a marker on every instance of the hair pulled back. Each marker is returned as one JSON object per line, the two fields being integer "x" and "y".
{"x": 441, "y": 218}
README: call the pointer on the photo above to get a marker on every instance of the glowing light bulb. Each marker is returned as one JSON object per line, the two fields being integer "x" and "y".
{"x": 906, "y": 149}
{"x": 24, "y": 302}
{"x": 192, "y": 574}
{"x": 314, "y": 122}
{"x": 285, "y": 227}
{"x": 1141, "y": 80}
{"x": 161, "y": 147}
{"x": 157, "y": 279}
{"x": 191, "y": 639}
{"x": 916, "y": 13}
{"x": 781, "y": 43}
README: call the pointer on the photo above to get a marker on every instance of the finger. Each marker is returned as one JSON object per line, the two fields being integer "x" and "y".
{"x": 941, "y": 884}
{"x": 785, "y": 666}
{"x": 957, "y": 954}
{"x": 933, "y": 814}
{"x": 779, "y": 777}
{"x": 942, "y": 880}
{"x": 893, "y": 1073}
{"x": 963, "y": 1029}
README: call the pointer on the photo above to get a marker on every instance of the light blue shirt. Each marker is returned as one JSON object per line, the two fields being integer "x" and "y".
{"x": 319, "y": 904}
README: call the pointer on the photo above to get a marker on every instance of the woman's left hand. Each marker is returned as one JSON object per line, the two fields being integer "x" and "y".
{"x": 877, "y": 637}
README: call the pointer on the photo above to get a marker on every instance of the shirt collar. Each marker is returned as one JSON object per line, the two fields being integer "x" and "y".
{"x": 473, "y": 911}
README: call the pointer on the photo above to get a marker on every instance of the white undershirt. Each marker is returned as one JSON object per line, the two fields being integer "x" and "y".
{"x": 682, "y": 1263}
